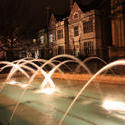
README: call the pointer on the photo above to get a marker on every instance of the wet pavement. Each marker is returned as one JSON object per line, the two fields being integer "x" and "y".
{"x": 42, "y": 109}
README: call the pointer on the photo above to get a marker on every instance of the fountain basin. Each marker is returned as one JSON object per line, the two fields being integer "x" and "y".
{"x": 48, "y": 109}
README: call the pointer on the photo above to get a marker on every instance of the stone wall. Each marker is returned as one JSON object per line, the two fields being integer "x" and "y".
{"x": 85, "y": 77}
{"x": 110, "y": 79}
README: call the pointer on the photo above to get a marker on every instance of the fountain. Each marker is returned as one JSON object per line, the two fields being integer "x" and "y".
{"x": 47, "y": 71}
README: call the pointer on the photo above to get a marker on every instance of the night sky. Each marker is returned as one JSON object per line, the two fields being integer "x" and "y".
{"x": 31, "y": 14}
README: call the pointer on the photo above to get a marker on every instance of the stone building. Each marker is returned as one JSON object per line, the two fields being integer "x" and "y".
{"x": 118, "y": 28}
{"x": 93, "y": 32}
{"x": 79, "y": 34}
{"x": 85, "y": 36}
{"x": 62, "y": 38}
{"x": 57, "y": 36}
{"x": 97, "y": 31}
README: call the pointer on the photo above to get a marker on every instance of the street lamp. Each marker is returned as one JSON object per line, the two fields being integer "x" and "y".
{"x": 34, "y": 40}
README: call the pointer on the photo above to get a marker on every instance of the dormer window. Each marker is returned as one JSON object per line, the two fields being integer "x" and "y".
{"x": 76, "y": 15}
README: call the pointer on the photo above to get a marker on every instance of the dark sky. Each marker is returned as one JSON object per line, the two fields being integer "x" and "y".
{"x": 32, "y": 13}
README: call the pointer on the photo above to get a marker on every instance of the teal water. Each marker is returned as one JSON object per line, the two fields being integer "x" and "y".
{"x": 42, "y": 109}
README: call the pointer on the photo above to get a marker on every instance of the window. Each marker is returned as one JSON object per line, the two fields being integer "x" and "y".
{"x": 75, "y": 15}
{"x": 59, "y": 34}
{"x": 87, "y": 26}
{"x": 76, "y": 31}
{"x": 89, "y": 48}
{"x": 42, "y": 39}
{"x": 60, "y": 50}
{"x": 51, "y": 37}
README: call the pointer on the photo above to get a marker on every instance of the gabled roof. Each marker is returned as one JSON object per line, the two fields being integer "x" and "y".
{"x": 75, "y": 9}
{"x": 95, "y": 4}
{"x": 52, "y": 21}
{"x": 83, "y": 8}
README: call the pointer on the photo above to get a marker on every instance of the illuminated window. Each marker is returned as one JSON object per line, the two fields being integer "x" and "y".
{"x": 60, "y": 34}
{"x": 76, "y": 31}
{"x": 51, "y": 37}
{"x": 87, "y": 26}
{"x": 89, "y": 48}
{"x": 42, "y": 39}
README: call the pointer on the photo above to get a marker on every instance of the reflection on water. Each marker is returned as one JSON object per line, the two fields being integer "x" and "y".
{"x": 48, "y": 109}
